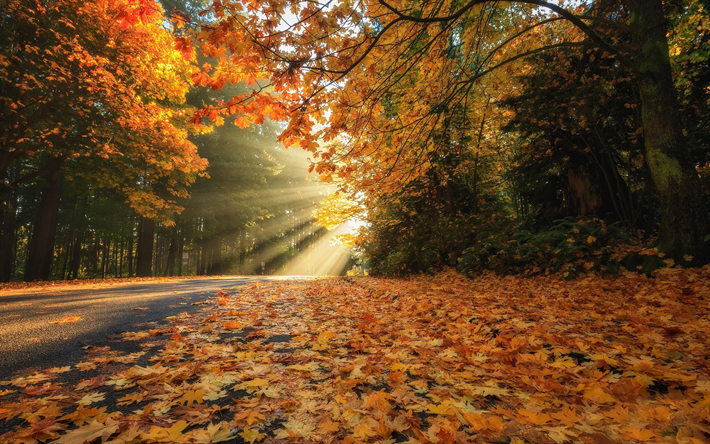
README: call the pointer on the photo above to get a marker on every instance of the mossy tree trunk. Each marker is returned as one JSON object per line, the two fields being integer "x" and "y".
{"x": 684, "y": 219}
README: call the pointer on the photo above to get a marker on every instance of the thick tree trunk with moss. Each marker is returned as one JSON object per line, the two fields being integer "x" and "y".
{"x": 684, "y": 219}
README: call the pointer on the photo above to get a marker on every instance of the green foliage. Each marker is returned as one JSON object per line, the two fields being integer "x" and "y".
{"x": 571, "y": 246}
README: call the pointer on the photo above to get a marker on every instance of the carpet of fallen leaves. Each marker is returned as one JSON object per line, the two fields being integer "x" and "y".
{"x": 428, "y": 360}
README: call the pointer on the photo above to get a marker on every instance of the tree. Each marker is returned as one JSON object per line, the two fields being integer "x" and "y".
{"x": 378, "y": 76}
{"x": 93, "y": 91}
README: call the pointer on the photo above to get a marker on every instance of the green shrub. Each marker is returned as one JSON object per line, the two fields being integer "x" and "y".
{"x": 571, "y": 246}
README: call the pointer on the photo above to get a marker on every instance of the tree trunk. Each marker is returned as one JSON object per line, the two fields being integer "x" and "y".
{"x": 144, "y": 255}
{"x": 105, "y": 259}
{"x": 172, "y": 252}
{"x": 8, "y": 224}
{"x": 684, "y": 219}
{"x": 76, "y": 255}
{"x": 216, "y": 263}
{"x": 130, "y": 248}
{"x": 181, "y": 250}
{"x": 41, "y": 248}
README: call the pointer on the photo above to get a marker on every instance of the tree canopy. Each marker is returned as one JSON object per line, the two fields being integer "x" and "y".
{"x": 372, "y": 87}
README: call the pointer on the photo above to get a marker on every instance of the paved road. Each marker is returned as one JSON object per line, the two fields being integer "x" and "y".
{"x": 29, "y": 339}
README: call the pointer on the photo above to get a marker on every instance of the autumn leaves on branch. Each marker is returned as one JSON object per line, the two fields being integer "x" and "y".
{"x": 95, "y": 92}
{"x": 377, "y": 89}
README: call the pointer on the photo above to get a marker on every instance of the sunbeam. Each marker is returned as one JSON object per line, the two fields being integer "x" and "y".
{"x": 322, "y": 258}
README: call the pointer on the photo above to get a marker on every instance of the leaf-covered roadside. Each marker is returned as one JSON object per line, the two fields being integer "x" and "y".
{"x": 433, "y": 359}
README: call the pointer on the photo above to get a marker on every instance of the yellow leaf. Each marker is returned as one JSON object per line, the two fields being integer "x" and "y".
{"x": 380, "y": 400}
{"x": 639, "y": 434}
{"x": 482, "y": 423}
{"x": 88, "y": 433}
{"x": 162, "y": 434}
{"x": 253, "y": 385}
{"x": 92, "y": 397}
{"x": 249, "y": 416}
{"x": 598, "y": 395}
{"x": 301, "y": 368}
{"x": 442, "y": 409}
{"x": 363, "y": 432}
{"x": 328, "y": 426}
{"x": 219, "y": 432}
{"x": 191, "y": 397}
{"x": 233, "y": 325}
{"x": 530, "y": 417}
{"x": 252, "y": 435}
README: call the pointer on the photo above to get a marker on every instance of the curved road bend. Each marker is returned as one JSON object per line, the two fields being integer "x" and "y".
{"x": 29, "y": 340}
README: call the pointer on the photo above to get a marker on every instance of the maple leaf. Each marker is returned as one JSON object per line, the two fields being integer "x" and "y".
{"x": 131, "y": 398}
{"x": 91, "y": 398}
{"x": 88, "y": 433}
{"x": 253, "y": 385}
{"x": 162, "y": 434}
{"x": 191, "y": 397}
{"x": 597, "y": 394}
{"x": 252, "y": 436}
{"x": 233, "y": 325}
{"x": 219, "y": 432}
{"x": 480, "y": 422}
{"x": 127, "y": 435}
{"x": 249, "y": 416}
{"x": 295, "y": 429}
{"x": 363, "y": 432}
{"x": 639, "y": 434}
{"x": 530, "y": 417}
{"x": 242, "y": 121}
{"x": 328, "y": 427}
{"x": 380, "y": 400}
{"x": 442, "y": 409}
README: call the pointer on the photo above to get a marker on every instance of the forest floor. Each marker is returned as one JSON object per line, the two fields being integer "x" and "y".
{"x": 438, "y": 359}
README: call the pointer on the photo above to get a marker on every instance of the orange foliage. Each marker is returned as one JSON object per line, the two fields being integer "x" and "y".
{"x": 99, "y": 88}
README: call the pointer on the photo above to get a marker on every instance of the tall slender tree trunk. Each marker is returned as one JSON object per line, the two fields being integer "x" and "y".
{"x": 41, "y": 248}
{"x": 172, "y": 252}
{"x": 684, "y": 218}
{"x": 216, "y": 263}
{"x": 105, "y": 257}
{"x": 144, "y": 255}
{"x": 181, "y": 250}
{"x": 158, "y": 256}
{"x": 8, "y": 225}
{"x": 242, "y": 248}
{"x": 76, "y": 255}
{"x": 77, "y": 238}
{"x": 130, "y": 248}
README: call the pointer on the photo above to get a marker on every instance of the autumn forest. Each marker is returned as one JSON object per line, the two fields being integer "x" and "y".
{"x": 355, "y": 221}
{"x": 141, "y": 139}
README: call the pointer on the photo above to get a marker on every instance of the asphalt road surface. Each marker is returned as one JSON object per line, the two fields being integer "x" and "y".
{"x": 31, "y": 339}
